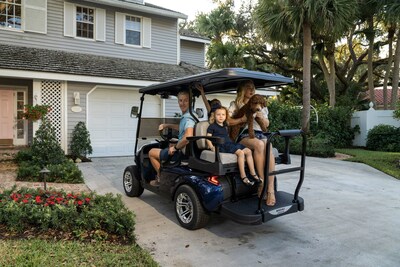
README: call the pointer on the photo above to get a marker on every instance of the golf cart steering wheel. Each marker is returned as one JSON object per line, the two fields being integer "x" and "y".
{"x": 168, "y": 136}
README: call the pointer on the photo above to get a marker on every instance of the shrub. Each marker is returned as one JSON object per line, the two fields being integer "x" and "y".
{"x": 66, "y": 172}
{"x": 86, "y": 216}
{"x": 80, "y": 143}
{"x": 45, "y": 147}
{"x": 384, "y": 138}
{"x": 396, "y": 113}
{"x": 333, "y": 129}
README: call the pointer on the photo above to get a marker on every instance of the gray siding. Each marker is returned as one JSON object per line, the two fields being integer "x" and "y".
{"x": 193, "y": 53}
{"x": 163, "y": 41}
{"x": 75, "y": 117}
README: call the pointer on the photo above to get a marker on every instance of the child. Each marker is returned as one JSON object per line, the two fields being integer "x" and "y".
{"x": 218, "y": 128}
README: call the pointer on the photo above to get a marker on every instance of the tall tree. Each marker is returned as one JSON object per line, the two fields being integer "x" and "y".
{"x": 335, "y": 18}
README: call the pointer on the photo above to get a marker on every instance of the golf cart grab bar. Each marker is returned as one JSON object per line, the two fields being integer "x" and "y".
{"x": 290, "y": 133}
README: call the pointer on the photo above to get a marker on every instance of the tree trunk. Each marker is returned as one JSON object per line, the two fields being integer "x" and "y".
{"x": 306, "y": 76}
{"x": 395, "y": 80}
{"x": 370, "y": 37}
{"x": 391, "y": 32}
{"x": 329, "y": 74}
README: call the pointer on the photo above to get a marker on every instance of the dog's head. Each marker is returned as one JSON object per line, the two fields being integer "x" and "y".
{"x": 257, "y": 103}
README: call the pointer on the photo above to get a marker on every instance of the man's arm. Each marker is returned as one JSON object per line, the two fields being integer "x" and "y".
{"x": 183, "y": 142}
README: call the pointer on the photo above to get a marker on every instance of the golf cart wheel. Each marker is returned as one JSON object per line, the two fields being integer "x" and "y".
{"x": 131, "y": 182}
{"x": 188, "y": 209}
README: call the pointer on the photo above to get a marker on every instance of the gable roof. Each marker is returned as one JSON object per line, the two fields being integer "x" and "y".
{"x": 52, "y": 61}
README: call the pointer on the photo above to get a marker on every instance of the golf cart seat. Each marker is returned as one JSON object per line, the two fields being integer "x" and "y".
{"x": 213, "y": 161}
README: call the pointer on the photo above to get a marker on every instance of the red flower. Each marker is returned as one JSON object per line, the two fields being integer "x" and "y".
{"x": 38, "y": 200}
{"x": 87, "y": 200}
{"x": 25, "y": 201}
{"x": 80, "y": 202}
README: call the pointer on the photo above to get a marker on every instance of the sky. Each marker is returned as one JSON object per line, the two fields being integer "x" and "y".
{"x": 189, "y": 7}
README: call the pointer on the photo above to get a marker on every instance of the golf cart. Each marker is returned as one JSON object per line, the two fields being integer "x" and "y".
{"x": 208, "y": 182}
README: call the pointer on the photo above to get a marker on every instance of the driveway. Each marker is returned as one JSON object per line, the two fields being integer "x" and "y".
{"x": 351, "y": 218}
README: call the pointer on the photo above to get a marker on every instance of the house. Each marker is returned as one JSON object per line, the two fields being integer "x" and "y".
{"x": 87, "y": 59}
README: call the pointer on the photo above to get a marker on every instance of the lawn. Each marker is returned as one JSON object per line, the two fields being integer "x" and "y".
{"x": 37, "y": 252}
{"x": 387, "y": 162}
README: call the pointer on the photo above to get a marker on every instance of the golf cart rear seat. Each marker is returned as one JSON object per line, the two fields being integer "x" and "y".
{"x": 202, "y": 158}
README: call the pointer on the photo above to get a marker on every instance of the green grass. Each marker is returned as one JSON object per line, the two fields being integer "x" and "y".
{"x": 37, "y": 252}
{"x": 387, "y": 162}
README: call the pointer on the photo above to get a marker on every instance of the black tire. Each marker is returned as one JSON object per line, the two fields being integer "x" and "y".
{"x": 188, "y": 209}
{"x": 131, "y": 182}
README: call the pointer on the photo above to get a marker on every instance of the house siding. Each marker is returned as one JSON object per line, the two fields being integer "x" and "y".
{"x": 75, "y": 117}
{"x": 163, "y": 40}
{"x": 192, "y": 53}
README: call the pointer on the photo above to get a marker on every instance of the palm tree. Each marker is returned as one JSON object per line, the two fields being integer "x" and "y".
{"x": 393, "y": 13}
{"x": 336, "y": 17}
{"x": 281, "y": 20}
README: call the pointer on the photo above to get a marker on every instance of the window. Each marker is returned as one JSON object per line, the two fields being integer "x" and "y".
{"x": 84, "y": 22}
{"x": 10, "y": 14}
{"x": 133, "y": 30}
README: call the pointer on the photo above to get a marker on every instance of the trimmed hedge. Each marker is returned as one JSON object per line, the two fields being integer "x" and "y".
{"x": 384, "y": 138}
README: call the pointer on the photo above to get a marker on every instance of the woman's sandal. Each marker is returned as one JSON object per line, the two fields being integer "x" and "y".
{"x": 246, "y": 181}
{"x": 271, "y": 201}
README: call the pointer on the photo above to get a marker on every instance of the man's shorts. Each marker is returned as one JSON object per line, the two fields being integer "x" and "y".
{"x": 164, "y": 156}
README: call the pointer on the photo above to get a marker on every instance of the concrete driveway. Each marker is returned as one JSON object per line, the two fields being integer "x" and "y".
{"x": 351, "y": 218}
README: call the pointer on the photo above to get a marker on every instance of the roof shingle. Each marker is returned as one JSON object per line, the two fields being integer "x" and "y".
{"x": 44, "y": 60}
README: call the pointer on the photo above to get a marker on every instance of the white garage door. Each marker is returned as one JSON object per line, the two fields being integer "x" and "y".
{"x": 112, "y": 130}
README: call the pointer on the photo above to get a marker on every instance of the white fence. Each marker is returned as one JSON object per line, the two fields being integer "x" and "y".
{"x": 368, "y": 119}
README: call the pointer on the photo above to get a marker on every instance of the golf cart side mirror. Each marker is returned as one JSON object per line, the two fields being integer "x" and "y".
{"x": 200, "y": 113}
{"x": 134, "y": 111}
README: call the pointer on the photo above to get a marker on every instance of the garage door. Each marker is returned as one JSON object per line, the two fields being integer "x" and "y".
{"x": 112, "y": 130}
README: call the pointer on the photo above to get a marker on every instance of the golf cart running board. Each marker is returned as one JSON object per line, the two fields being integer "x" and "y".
{"x": 244, "y": 211}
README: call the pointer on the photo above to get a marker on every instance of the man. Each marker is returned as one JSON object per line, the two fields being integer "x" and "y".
{"x": 185, "y": 129}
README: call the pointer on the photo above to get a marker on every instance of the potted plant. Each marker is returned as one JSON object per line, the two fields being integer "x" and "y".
{"x": 35, "y": 112}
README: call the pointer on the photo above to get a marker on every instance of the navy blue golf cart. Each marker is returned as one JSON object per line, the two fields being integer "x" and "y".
{"x": 209, "y": 182}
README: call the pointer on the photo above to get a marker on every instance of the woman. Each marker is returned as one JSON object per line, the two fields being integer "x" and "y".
{"x": 245, "y": 91}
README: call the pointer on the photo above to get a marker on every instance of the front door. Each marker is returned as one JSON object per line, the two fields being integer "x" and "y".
{"x": 6, "y": 117}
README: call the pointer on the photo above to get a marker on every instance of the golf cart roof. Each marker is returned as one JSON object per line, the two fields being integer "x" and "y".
{"x": 217, "y": 81}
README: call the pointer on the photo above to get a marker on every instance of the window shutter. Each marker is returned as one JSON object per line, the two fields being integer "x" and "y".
{"x": 147, "y": 32}
{"x": 69, "y": 19}
{"x": 100, "y": 21}
{"x": 35, "y": 16}
{"x": 119, "y": 28}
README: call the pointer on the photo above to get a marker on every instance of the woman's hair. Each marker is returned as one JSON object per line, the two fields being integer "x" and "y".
{"x": 241, "y": 90}
{"x": 212, "y": 115}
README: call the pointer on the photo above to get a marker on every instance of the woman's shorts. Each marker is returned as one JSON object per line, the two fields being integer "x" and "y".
{"x": 230, "y": 147}
{"x": 257, "y": 134}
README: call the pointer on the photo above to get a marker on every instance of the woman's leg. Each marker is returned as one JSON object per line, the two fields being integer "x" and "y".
{"x": 271, "y": 179}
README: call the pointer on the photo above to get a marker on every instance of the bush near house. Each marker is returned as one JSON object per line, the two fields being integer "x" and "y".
{"x": 80, "y": 143}
{"x": 384, "y": 138}
{"x": 46, "y": 152}
{"x": 333, "y": 129}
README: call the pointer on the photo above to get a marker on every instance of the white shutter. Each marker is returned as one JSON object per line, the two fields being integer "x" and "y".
{"x": 69, "y": 19}
{"x": 35, "y": 16}
{"x": 119, "y": 28}
{"x": 100, "y": 21}
{"x": 147, "y": 32}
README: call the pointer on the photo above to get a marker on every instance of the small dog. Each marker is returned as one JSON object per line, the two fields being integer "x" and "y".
{"x": 256, "y": 103}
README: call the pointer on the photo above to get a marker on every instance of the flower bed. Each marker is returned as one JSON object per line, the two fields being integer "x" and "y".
{"x": 77, "y": 216}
